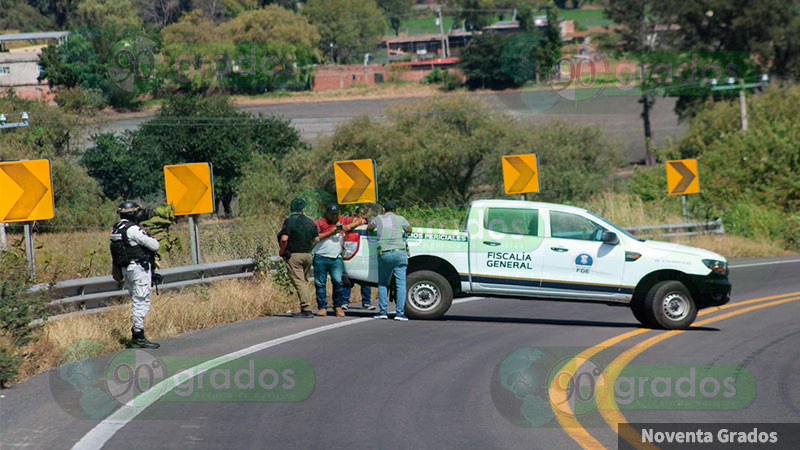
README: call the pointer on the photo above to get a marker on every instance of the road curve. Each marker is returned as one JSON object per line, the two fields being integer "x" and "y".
{"x": 432, "y": 384}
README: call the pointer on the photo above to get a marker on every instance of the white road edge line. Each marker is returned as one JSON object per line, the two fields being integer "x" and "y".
{"x": 98, "y": 436}
{"x": 765, "y": 263}
{"x": 466, "y": 300}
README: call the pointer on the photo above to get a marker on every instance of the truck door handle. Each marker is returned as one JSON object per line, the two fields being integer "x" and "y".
{"x": 558, "y": 249}
{"x": 492, "y": 243}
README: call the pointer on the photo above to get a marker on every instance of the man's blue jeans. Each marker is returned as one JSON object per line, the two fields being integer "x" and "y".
{"x": 322, "y": 267}
{"x": 392, "y": 264}
{"x": 366, "y": 294}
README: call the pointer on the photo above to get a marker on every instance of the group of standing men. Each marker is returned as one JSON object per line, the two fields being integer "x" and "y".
{"x": 303, "y": 244}
{"x": 306, "y": 244}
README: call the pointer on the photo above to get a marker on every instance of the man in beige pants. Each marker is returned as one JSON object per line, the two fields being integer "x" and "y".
{"x": 297, "y": 237}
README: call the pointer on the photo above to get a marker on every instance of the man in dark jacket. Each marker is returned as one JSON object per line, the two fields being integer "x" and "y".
{"x": 297, "y": 238}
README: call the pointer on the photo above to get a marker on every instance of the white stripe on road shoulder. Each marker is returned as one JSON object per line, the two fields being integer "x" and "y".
{"x": 765, "y": 263}
{"x": 98, "y": 436}
{"x": 467, "y": 299}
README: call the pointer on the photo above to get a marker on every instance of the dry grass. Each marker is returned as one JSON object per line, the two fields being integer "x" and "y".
{"x": 81, "y": 254}
{"x": 172, "y": 313}
{"x": 732, "y": 246}
{"x": 627, "y": 210}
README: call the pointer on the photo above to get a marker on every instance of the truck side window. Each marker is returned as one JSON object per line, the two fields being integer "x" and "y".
{"x": 512, "y": 221}
{"x": 572, "y": 226}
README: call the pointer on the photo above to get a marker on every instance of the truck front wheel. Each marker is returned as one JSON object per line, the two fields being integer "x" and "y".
{"x": 428, "y": 295}
{"x": 669, "y": 305}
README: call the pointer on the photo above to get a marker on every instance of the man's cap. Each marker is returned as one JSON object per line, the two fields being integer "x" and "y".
{"x": 332, "y": 208}
{"x": 390, "y": 205}
{"x": 297, "y": 205}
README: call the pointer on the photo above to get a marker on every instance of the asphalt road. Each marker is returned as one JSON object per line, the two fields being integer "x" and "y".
{"x": 619, "y": 116}
{"x": 434, "y": 384}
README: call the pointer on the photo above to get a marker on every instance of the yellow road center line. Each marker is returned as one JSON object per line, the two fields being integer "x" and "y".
{"x": 611, "y": 414}
{"x": 558, "y": 395}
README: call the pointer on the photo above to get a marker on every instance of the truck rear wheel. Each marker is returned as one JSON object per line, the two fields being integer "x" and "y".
{"x": 428, "y": 295}
{"x": 669, "y": 305}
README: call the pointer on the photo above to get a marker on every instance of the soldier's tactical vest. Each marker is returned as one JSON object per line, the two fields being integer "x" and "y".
{"x": 122, "y": 252}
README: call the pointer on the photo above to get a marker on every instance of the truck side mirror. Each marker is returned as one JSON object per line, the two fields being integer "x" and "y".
{"x": 610, "y": 238}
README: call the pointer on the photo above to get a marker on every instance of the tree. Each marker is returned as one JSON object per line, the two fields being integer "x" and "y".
{"x": 18, "y": 15}
{"x": 395, "y": 11}
{"x": 115, "y": 14}
{"x": 81, "y": 61}
{"x": 348, "y": 28}
{"x": 192, "y": 27}
{"x": 161, "y": 13}
{"x": 270, "y": 24}
{"x": 482, "y": 65}
{"x": 58, "y": 10}
{"x": 192, "y": 128}
{"x": 447, "y": 151}
{"x": 125, "y": 168}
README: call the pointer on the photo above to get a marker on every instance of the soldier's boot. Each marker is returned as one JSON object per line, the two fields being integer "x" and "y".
{"x": 139, "y": 341}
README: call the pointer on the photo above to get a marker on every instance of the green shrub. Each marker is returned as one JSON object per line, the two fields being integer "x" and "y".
{"x": 447, "y": 79}
{"x": 9, "y": 366}
{"x": 751, "y": 219}
{"x": 17, "y": 311}
{"x": 80, "y": 100}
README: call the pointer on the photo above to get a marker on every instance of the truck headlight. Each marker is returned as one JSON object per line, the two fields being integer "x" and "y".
{"x": 720, "y": 267}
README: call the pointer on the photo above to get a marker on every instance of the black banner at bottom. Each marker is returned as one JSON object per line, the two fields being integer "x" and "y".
{"x": 709, "y": 435}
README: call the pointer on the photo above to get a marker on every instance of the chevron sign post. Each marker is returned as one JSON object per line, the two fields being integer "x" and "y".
{"x": 683, "y": 179}
{"x": 190, "y": 189}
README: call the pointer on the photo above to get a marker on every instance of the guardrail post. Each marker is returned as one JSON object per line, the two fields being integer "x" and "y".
{"x": 194, "y": 239}
{"x": 29, "y": 250}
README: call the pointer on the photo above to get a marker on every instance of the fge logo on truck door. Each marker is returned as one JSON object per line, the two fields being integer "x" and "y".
{"x": 583, "y": 263}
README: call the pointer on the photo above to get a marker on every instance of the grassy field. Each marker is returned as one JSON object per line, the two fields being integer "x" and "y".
{"x": 592, "y": 17}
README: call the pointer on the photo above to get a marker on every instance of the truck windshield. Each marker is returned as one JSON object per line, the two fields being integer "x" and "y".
{"x": 615, "y": 227}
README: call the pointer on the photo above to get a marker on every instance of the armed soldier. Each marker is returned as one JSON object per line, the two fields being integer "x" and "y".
{"x": 133, "y": 252}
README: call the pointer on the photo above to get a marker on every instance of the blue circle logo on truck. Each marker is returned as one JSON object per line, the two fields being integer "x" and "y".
{"x": 584, "y": 260}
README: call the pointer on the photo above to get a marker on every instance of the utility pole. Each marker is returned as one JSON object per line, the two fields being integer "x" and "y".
{"x": 3, "y": 125}
{"x": 445, "y": 45}
{"x": 763, "y": 81}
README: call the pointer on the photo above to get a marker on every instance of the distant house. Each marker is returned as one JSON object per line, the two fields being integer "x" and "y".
{"x": 417, "y": 47}
{"x": 19, "y": 67}
{"x": 344, "y": 76}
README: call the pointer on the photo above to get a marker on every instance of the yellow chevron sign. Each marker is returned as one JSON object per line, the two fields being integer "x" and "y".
{"x": 27, "y": 191}
{"x": 190, "y": 188}
{"x": 520, "y": 174}
{"x": 355, "y": 181}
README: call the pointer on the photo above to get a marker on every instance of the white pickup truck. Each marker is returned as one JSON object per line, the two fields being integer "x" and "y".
{"x": 552, "y": 252}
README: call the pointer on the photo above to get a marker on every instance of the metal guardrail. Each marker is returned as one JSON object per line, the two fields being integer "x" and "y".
{"x": 90, "y": 293}
{"x": 673, "y": 230}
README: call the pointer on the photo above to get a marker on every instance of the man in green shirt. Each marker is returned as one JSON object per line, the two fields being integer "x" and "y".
{"x": 297, "y": 238}
{"x": 392, "y": 258}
